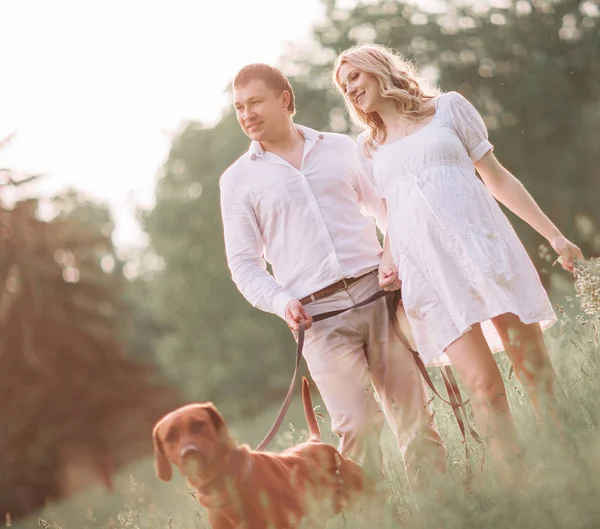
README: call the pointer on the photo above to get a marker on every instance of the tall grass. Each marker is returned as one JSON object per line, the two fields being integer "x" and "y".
{"x": 559, "y": 485}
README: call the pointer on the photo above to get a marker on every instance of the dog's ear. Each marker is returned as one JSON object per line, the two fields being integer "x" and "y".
{"x": 163, "y": 466}
{"x": 215, "y": 416}
{"x": 218, "y": 422}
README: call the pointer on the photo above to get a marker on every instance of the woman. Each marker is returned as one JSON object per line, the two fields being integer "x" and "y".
{"x": 468, "y": 285}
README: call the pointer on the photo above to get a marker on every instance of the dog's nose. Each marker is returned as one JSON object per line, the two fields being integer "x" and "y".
{"x": 189, "y": 450}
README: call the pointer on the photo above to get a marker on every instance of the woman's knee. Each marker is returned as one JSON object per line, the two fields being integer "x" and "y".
{"x": 476, "y": 367}
{"x": 487, "y": 387}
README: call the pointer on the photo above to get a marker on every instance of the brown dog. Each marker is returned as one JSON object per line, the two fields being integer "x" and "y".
{"x": 257, "y": 490}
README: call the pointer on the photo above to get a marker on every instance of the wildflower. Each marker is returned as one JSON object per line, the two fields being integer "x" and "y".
{"x": 587, "y": 285}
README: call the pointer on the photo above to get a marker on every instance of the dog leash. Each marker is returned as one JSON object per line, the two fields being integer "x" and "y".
{"x": 392, "y": 300}
{"x": 299, "y": 346}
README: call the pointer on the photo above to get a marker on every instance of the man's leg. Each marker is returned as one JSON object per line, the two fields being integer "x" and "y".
{"x": 402, "y": 392}
{"x": 335, "y": 353}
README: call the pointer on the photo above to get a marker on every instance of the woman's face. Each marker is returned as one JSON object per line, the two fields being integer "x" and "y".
{"x": 361, "y": 88}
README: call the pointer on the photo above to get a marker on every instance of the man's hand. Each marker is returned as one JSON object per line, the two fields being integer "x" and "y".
{"x": 388, "y": 279}
{"x": 295, "y": 314}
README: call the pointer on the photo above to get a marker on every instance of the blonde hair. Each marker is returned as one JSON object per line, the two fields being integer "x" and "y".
{"x": 398, "y": 80}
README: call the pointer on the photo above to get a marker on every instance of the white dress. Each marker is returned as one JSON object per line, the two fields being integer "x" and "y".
{"x": 459, "y": 258}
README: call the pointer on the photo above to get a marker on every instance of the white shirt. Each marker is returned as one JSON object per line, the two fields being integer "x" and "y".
{"x": 314, "y": 226}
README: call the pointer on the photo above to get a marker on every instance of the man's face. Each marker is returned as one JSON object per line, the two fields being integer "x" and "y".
{"x": 259, "y": 111}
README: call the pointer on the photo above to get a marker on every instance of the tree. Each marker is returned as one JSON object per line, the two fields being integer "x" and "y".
{"x": 66, "y": 385}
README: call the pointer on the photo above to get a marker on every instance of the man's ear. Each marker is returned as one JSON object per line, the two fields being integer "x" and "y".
{"x": 163, "y": 466}
{"x": 286, "y": 97}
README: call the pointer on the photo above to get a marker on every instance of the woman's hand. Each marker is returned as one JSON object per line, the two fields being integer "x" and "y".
{"x": 567, "y": 250}
{"x": 388, "y": 274}
{"x": 388, "y": 279}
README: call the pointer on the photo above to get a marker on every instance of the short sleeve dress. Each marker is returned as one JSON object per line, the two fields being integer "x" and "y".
{"x": 458, "y": 256}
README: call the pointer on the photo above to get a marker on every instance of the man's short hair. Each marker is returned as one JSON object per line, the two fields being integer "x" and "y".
{"x": 272, "y": 77}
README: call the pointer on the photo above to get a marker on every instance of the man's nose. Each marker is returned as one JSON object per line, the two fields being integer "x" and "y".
{"x": 248, "y": 115}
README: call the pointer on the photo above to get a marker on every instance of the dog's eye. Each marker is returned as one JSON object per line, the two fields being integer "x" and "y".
{"x": 196, "y": 426}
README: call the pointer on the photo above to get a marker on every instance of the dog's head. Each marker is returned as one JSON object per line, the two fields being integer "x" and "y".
{"x": 192, "y": 438}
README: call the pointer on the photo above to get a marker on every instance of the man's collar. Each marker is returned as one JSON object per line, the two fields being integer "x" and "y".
{"x": 256, "y": 149}
{"x": 309, "y": 134}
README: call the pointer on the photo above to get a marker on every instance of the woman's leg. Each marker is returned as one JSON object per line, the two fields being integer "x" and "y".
{"x": 478, "y": 371}
{"x": 527, "y": 352}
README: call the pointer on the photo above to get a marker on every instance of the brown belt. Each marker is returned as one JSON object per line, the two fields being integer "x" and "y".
{"x": 332, "y": 289}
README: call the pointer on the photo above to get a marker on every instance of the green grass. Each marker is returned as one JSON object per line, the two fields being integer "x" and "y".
{"x": 561, "y": 489}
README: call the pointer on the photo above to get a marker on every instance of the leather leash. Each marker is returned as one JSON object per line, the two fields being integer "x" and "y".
{"x": 392, "y": 300}
{"x": 299, "y": 346}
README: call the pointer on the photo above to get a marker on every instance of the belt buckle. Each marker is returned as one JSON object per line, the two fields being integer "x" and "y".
{"x": 345, "y": 282}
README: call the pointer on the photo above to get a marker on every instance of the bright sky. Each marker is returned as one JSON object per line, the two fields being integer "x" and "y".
{"x": 96, "y": 89}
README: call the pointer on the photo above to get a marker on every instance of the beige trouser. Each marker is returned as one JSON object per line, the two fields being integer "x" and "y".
{"x": 351, "y": 355}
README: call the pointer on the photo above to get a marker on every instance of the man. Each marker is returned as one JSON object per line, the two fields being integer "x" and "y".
{"x": 296, "y": 199}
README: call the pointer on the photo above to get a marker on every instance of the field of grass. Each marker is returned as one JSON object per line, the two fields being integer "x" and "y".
{"x": 560, "y": 489}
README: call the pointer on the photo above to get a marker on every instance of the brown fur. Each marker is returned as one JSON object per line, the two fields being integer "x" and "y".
{"x": 243, "y": 488}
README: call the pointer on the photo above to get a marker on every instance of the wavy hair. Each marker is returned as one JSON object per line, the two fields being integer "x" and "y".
{"x": 398, "y": 80}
